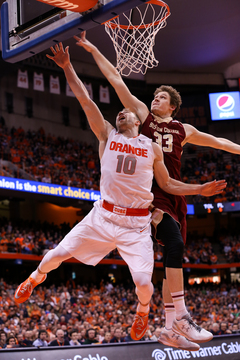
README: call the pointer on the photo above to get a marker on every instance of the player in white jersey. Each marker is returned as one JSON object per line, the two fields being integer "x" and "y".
{"x": 121, "y": 218}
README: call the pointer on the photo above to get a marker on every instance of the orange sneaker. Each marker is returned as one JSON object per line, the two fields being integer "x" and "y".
{"x": 139, "y": 326}
{"x": 25, "y": 290}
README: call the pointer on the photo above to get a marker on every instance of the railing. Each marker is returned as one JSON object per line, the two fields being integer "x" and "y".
{"x": 27, "y": 257}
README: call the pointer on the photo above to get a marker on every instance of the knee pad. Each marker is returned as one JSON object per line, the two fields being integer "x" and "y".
{"x": 174, "y": 254}
{"x": 169, "y": 233}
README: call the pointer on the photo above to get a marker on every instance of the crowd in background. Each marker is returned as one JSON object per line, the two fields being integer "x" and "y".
{"x": 29, "y": 237}
{"x": 52, "y": 159}
{"x": 73, "y": 314}
{"x": 206, "y": 164}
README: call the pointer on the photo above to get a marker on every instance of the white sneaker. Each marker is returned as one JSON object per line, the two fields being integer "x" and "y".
{"x": 169, "y": 337}
{"x": 187, "y": 328}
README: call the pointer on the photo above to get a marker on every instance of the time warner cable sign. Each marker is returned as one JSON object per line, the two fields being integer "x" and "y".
{"x": 220, "y": 348}
{"x": 48, "y": 189}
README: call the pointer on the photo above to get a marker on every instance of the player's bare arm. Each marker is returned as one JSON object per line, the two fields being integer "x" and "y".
{"x": 176, "y": 187}
{"x": 99, "y": 126}
{"x": 193, "y": 136}
{"x": 127, "y": 99}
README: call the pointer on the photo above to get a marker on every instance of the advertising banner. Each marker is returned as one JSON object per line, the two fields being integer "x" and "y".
{"x": 225, "y": 106}
{"x": 220, "y": 348}
{"x": 40, "y": 188}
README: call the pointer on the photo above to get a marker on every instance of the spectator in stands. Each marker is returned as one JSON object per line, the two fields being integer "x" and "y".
{"x": 156, "y": 334}
{"x": 59, "y": 341}
{"x": 3, "y": 339}
{"x": 19, "y": 340}
{"x": 41, "y": 341}
{"x": 213, "y": 258}
{"x": 74, "y": 338}
{"x": 235, "y": 329}
{"x": 52, "y": 316}
{"x": 90, "y": 337}
{"x": 100, "y": 335}
{"x": 147, "y": 336}
{"x": 28, "y": 338}
{"x": 128, "y": 336}
{"x": 65, "y": 296}
{"x": 224, "y": 329}
{"x": 117, "y": 336}
{"x": 35, "y": 313}
{"x": 107, "y": 338}
{"x": 215, "y": 329}
{"x": 11, "y": 342}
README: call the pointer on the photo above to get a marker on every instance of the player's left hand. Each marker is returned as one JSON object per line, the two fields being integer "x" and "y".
{"x": 60, "y": 56}
{"x": 213, "y": 187}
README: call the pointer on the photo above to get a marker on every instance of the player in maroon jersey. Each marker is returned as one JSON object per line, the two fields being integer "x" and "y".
{"x": 169, "y": 216}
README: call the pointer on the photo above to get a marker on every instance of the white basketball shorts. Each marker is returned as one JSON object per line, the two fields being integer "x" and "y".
{"x": 102, "y": 231}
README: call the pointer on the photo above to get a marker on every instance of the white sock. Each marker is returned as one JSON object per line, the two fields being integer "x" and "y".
{"x": 179, "y": 304}
{"x": 170, "y": 315}
{"x": 143, "y": 308}
{"x": 37, "y": 276}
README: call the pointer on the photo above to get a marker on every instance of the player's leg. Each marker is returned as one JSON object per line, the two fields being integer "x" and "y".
{"x": 170, "y": 235}
{"x": 144, "y": 291}
{"x": 89, "y": 242}
{"x": 170, "y": 313}
{"x": 167, "y": 335}
{"x": 51, "y": 261}
{"x": 136, "y": 248}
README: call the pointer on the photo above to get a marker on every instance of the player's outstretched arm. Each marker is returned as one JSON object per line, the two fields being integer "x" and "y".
{"x": 196, "y": 137}
{"x": 128, "y": 100}
{"x": 176, "y": 187}
{"x": 99, "y": 126}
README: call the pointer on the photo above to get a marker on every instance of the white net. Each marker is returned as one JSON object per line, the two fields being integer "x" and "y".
{"x": 134, "y": 43}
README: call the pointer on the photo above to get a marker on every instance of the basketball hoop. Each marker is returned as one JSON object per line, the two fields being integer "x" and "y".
{"x": 134, "y": 43}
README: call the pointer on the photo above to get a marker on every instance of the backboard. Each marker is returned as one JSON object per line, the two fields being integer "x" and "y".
{"x": 29, "y": 27}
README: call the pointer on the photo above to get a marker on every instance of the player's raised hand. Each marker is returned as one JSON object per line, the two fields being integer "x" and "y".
{"x": 60, "y": 56}
{"x": 82, "y": 41}
{"x": 213, "y": 187}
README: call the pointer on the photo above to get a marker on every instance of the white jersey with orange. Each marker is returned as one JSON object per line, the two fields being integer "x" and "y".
{"x": 127, "y": 171}
{"x": 126, "y": 180}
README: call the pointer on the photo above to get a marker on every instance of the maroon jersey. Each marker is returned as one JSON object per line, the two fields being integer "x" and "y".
{"x": 169, "y": 136}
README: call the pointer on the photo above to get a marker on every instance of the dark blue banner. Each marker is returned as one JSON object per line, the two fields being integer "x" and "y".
{"x": 220, "y": 348}
{"x": 40, "y": 188}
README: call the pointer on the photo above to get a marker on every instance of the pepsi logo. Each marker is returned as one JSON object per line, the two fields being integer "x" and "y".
{"x": 225, "y": 102}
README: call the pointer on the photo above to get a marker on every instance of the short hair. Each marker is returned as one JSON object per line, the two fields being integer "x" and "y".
{"x": 3, "y": 332}
{"x": 175, "y": 97}
{"x": 91, "y": 330}
{"x": 42, "y": 332}
{"x": 73, "y": 331}
{"x": 9, "y": 338}
{"x": 58, "y": 330}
